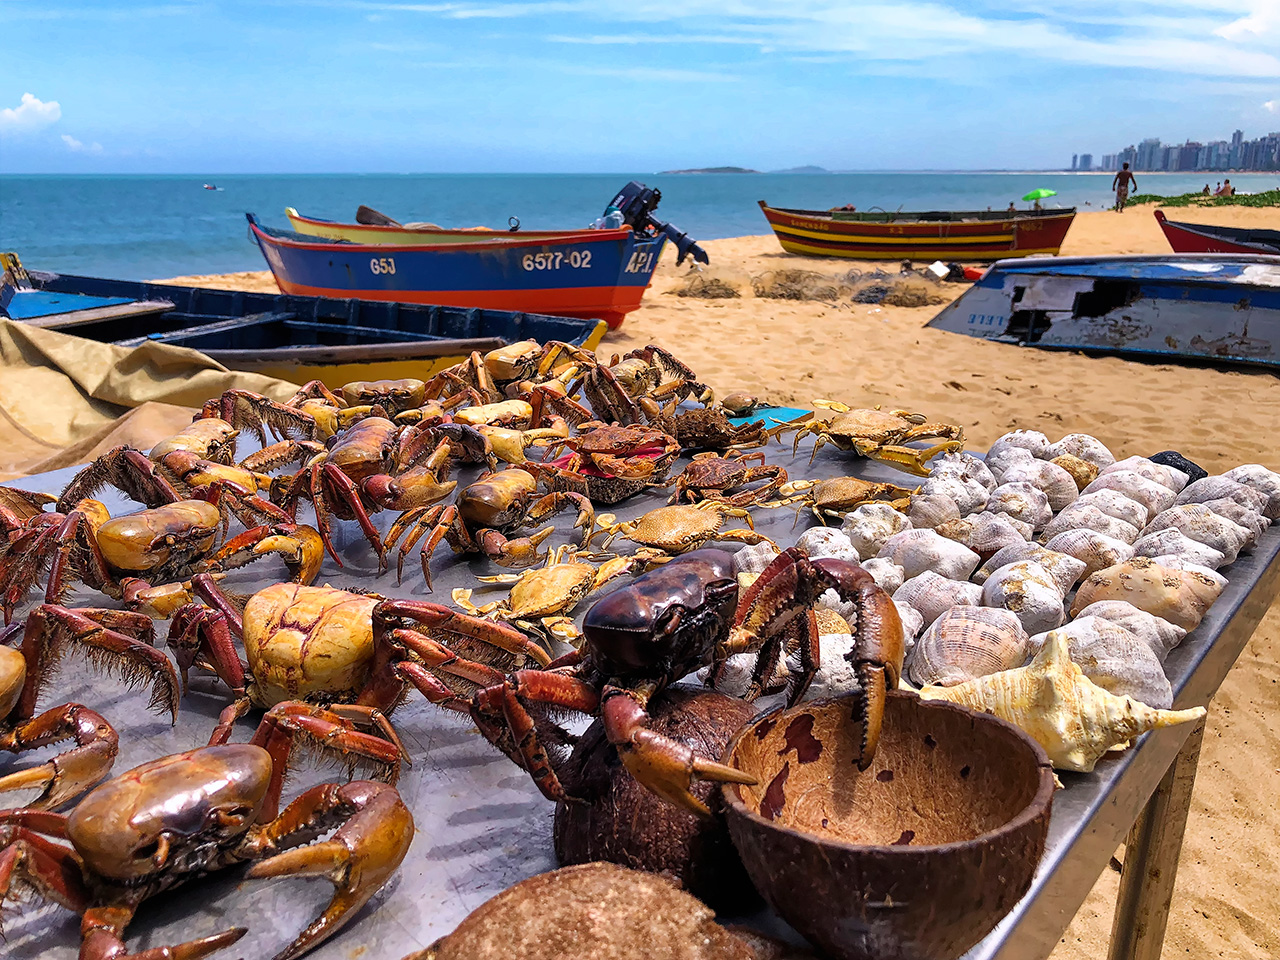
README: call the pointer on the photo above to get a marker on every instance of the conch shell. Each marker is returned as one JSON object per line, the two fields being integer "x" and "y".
{"x": 1087, "y": 448}
{"x": 1203, "y": 525}
{"x": 1074, "y": 719}
{"x": 1095, "y": 550}
{"x": 1150, "y": 493}
{"x": 1080, "y": 516}
{"x": 1022, "y": 501}
{"x": 827, "y": 542}
{"x": 919, "y": 550}
{"x": 1224, "y": 488}
{"x": 963, "y": 465}
{"x": 1252, "y": 520}
{"x": 1033, "y": 440}
{"x": 1180, "y": 596}
{"x": 887, "y": 574}
{"x": 929, "y": 510}
{"x": 1115, "y": 659}
{"x": 1173, "y": 542}
{"x": 1082, "y": 471}
{"x": 1161, "y": 635}
{"x": 1264, "y": 481}
{"x": 1116, "y": 504}
{"x": 968, "y": 495}
{"x": 1000, "y": 459}
{"x": 965, "y": 643}
{"x": 1064, "y": 569}
{"x": 869, "y": 526}
{"x": 1029, "y": 591}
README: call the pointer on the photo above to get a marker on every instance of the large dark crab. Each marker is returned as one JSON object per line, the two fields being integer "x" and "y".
{"x": 180, "y": 817}
{"x": 668, "y": 623}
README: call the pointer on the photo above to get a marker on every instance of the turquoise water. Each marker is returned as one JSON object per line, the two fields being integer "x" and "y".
{"x": 146, "y": 227}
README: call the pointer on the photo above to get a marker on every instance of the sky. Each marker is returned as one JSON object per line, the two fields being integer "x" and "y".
{"x": 200, "y": 86}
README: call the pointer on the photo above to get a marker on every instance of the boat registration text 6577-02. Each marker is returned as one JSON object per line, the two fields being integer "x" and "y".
{"x": 556, "y": 259}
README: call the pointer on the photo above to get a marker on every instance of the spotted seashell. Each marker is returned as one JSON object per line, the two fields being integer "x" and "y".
{"x": 754, "y": 558}
{"x": 1057, "y": 485}
{"x": 1173, "y": 542}
{"x": 1180, "y": 596}
{"x": 1064, "y": 569}
{"x": 1085, "y": 447}
{"x": 967, "y": 642}
{"x": 1082, "y": 471}
{"x": 1000, "y": 460}
{"x": 1077, "y": 517}
{"x": 1027, "y": 590}
{"x": 1152, "y": 495}
{"x": 984, "y": 533}
{"x": 887, "y": 574}
{"x": 969, "y": 496}
{"x": 1251, "y": 520}
{"x": 929, "y": 510}
{"x": 1264, "y": 481}
{"x": 1115, "y": 659}
{"x": 1177, "y": 561}
{"x": 1095, "y": 550}
{"x": 1224, "y": 488}
{"x": 917, "y": 551}
{"x": 1200, "y": 523}
{"x": 827, "y": 542}
{"x": 933, "y": 595}
{"x": 912, "y": 624}
{"x": 1160, "y": 635}
{"x": 963, "y": 465}
{"x": 1022, "y": 501}
{"x": 1116, "y": 504}
{"x": 1032, "y": 440}
{"x": 1168, "y": 477}
{"x": 870, "y": 525}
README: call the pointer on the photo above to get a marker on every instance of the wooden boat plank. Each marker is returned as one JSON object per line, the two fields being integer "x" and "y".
{"x": 202, "y": 329}
{"x": 75, "y": 318}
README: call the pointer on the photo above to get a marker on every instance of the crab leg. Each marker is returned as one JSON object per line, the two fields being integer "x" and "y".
{"x": 904, "y": 458}
{"x": 132, "y": 471}
{"x": 102, "y": 938}
{"x": 203, "y": 637}
{"x": 32, "y": 860}
{"x": 372, "y": 840}
{"x": 434, "y": 616}
{"x": 71, "y": 773}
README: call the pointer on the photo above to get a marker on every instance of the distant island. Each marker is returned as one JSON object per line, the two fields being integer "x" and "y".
{"x": 807, "y": 168}
{"x": 713, "y": 170}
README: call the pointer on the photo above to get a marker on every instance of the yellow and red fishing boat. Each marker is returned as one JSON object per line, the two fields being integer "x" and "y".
{"x": 935, "y": 235}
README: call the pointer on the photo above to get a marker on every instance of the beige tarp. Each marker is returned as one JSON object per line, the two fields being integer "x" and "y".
{"x": 64, "y": 399}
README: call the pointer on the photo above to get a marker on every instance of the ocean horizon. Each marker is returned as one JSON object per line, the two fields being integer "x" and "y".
{"x": 151, "y": 226}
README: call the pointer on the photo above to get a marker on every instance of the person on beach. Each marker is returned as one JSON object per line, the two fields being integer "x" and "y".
{"x": 1225, "y": 190}
{"x": 1123, "y": 181}
{"x": 1012, "y": 208}
{"x": 1205, "y": 191}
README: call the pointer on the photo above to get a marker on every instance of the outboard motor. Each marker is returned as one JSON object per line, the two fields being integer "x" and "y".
{"x": 636, "y": 203}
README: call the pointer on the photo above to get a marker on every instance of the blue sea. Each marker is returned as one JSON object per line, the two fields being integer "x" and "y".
{"x": 148, "y": 227}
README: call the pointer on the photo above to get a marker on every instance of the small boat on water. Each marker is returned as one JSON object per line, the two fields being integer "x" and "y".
{"x": 1207, "y": 238}
{"x": 975, "y": 235}
{"x": 296, "y": 338}
{"x": 1194, "y": 306}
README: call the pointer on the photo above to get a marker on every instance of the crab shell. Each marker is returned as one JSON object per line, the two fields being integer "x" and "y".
{"x": 208, "y": 438}
{"x": 150, "y": 539}
{"x": 496, "y": 500}
{"x": 550, "y": 590}
{"x": 308, "y": 643}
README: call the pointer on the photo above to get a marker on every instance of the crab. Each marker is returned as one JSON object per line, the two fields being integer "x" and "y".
{"x": 710, "y": 476}
{"x": 72, "y": 771}
{"x": 482, "y": 516}
{"x": 668, "y": 531}
{"x": 549, "y": 592}
{"x": 704, "y": 429}
{"x": 609, "y": 463}
{"x": 124, "y": 556}
{"x": 879, "y": 434}
{"x": 327, "y": 646}
{"x": 614, "y": 390}
{"x": 836, "y": 496}
{"x": 208, "y": 437}
{"x": 175, "y": 819}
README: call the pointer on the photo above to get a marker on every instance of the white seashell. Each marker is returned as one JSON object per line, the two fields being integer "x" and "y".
{"x": 933, "y": 595}
{"x": 1096, "y": 550}
{"x": 1081, "y": 471}
{"x": 1151, "y": 494}
{"x": 1223, "y": 488}
{"x": 836, "y": 676}
{"x": 1064, "y": 569}
{"x": 1085, "y": 447}
{"x": 1057, "y": 485}
{"x": 735, "y": 676}
{"x": 1077, "y": 517}
{"x": 968, "y": 495}
{"x": 1033, "y": 440}
{"x": 919, "y": 550}
{"x": 1021, "y": 501}
{"x": 963, "y": 465}
{"x": 984, "y": 533}
{"x": 1173, "y": 542}
{"x": 1029, "y": 591}
{"x": 827, "y": 542}
{"x": 929, "y": 510}
{"x": 1116, "y": 504}
{"x": 1264, "y": 481}
{"x": 754, "y": 559}
{"x": 965, "y": 643}
{"x": 1114, "y": 659}
{"x": 887, "y": 574}
{"x": 1161, "y": 635}
{"x": 830, "y": 600}
{"x": 1251, "y": 520}
{"x": 869, "y": 526}
{"x": 1200, "y": 523}
{"x": 912, "y": 624}
{"x": 1170, "y": 477}
{"x": 1000, "y": 460}
{"x": 1176, "y": 561}
{"x": 1179, "y": 596}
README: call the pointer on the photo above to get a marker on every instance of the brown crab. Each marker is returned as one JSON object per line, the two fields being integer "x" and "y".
{"x": 180, "y": 817}
{"x": 614, "y": 390}
{"x": 878, "y": 434}
{"x": 836, "y": 496}
{"x": 704, "y": 429}
{"x": 672, "y": 530}
{"x": 710, "y": 476}
{"x": 608, "y": 463}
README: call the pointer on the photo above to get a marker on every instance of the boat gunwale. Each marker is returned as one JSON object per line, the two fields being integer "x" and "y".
{"x": 893, "y": 217}
{"x": 492, "y": 236}
{"x": 271, "y": 235}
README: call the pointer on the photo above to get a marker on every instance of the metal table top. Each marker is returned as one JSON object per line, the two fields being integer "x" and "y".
{"x": 481, "y": 823}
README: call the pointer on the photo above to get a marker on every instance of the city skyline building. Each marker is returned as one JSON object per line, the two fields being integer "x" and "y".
{"x": 1237, "y": 154}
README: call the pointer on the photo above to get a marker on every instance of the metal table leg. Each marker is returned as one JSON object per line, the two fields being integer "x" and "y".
{"x": 1151, "y": 860}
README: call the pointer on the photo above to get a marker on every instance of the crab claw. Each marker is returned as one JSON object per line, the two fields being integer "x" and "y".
{"x": 297, "y": 544}
{"x": 374, "y": 836}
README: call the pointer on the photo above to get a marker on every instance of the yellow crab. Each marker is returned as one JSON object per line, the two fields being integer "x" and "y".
{"x": 878, "y": 434}
{"x": 668, "y": 531}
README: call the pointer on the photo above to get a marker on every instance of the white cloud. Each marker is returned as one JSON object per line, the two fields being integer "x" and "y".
{"x": 1272, "y": 106}
{"x": 31, "y": 114}
{"x": 75, "y": 146}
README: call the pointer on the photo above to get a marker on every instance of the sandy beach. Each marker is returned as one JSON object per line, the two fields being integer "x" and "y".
{"x": 790, "y": 351}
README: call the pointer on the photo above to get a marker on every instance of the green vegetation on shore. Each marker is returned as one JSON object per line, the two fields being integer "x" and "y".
{"x": 1268, "y": 198}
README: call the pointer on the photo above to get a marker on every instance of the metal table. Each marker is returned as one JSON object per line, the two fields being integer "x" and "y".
{"x": 482, "y": 825}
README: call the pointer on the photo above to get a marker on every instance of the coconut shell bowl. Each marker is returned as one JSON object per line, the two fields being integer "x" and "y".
{"x": 917, "y": 857}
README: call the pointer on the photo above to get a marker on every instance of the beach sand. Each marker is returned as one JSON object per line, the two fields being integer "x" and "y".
{"x": 1226, "y": 903}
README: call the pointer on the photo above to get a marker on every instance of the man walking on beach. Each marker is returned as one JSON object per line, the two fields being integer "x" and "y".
{"x": 1121, "y": 184}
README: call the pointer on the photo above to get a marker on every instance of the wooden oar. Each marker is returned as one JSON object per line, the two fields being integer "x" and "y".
{"x": 372, "y": 218}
